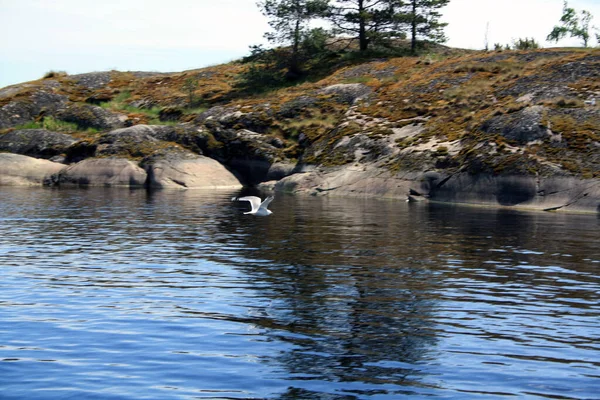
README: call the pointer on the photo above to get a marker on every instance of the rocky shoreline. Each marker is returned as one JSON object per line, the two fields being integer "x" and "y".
{"x": 198, "y": 172}
{"x": 516, "y": 129}
{"x": 565, "y": 194}
{"x": 187, "y": 172}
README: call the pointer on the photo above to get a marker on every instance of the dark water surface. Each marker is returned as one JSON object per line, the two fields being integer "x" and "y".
{"x": 118, "y": 294}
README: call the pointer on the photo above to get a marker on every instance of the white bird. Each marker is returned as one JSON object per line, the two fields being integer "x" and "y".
{"x": 258, "y": 208}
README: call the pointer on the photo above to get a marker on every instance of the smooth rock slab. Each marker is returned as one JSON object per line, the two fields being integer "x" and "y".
{"x": 185, "y": 170}
{"x": 347, "y": 181}
{"x": 528, "y": 192}
{"x": 19, "y": 170}
{"x": 347, "y": 92}
{"x": 103, "y": 172}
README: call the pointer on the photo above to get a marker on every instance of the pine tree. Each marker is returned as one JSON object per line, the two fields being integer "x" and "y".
{"x": 423, "y": 18}
{"x": 369, "y": 21}
{"x": 290, "y": 21}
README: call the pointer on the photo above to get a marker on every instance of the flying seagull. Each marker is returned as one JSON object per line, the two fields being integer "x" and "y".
{"x": 258, "y": 208}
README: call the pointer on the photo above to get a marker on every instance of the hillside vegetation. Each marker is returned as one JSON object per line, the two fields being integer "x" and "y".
{"x": 525, "y": 113}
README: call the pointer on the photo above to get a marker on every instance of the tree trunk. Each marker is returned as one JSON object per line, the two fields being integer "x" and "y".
{"x": 295, "y": 47}
{"x": 362, "y": 27}
{"x": 413, "y": 17}
{"x": 294, "y": 71}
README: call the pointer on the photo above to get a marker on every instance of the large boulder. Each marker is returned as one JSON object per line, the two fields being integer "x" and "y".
{"x": 92, "y": 80}
{"x": 251, "y": 154}
{"x": 247, "y": 152}
{"x": 520, "y": 127}
{"x": 193, "y": 138}
{"x": 347, "y": 93}
{"x": 103, "y": 172}
{"x": 257, "y": 119}
{"x": 296, "y": 107}
{"x": 177, "y": 169}
{"x": 19, "y": 170}
{"x": 135, "y": 141}
{"x": 141, "y": 141}
{"x": 29, "y": 107}
{"x": 103, "y": 79}
{"x": 280, "y": 170}
{"x": 90, "y": 116}
{"x": 38, "y": 143}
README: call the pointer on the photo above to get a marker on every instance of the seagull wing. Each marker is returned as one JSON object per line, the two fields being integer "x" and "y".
{"x": 254, "y": 202}
{"x": 266, "y": 202}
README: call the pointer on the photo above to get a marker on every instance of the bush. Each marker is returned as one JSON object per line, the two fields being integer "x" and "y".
{"x": 525, "y": 44}
{"x": 54, "y": 74}
{"x": 261, "y": 78}
{"x": 441, "y": 151}
{"x": 567, "y": 102}
{"x": 54, "y": 125}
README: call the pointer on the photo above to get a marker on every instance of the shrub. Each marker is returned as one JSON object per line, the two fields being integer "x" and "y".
{"x": 189, "y": 86}
{"x": 54, "y": 74}
{"x": 54, "y": 125}
{"x": 568, "y": 103}
{"x": 441, "y": 151}
{"x": 525, "y": 44}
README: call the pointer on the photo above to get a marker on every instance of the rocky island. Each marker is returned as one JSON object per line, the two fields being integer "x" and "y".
{"x": 511, "y": 128}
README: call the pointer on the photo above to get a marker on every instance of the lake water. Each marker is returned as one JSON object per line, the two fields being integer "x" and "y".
{"x": 118, "y": 294}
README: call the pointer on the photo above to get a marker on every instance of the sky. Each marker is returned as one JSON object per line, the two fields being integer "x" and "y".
{"x": 78, "y": 36}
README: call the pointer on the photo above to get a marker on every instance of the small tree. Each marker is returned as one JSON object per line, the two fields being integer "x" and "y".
{"x": 189, "y": 86}
{"x": 572, "y": 24}
{"x": 525, "y": 44}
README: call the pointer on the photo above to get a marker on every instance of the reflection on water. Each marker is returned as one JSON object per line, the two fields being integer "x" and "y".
{"x": 128, "y": 294}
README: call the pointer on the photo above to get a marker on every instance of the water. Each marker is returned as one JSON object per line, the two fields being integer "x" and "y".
{"x": 118, "y": 294}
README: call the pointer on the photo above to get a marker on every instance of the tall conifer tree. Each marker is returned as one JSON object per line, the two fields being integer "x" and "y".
{"x": 290, "y": 22}
{"x": 423, "y": 18}
{"x": 368, "y": 21}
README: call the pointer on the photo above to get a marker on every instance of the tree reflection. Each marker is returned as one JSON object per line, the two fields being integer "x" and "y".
{"x": 352, "y": 291}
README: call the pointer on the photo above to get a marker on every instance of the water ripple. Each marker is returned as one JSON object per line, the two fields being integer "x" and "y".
{"x": 133, "y": 295}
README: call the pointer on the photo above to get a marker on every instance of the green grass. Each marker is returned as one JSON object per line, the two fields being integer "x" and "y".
{"x": 119, "y": 104}
{"x": 326, "y": 120}
{"x": 54, "y": 125}
{"x": 195, "y": 110}
{"x": 122, "y": 97}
